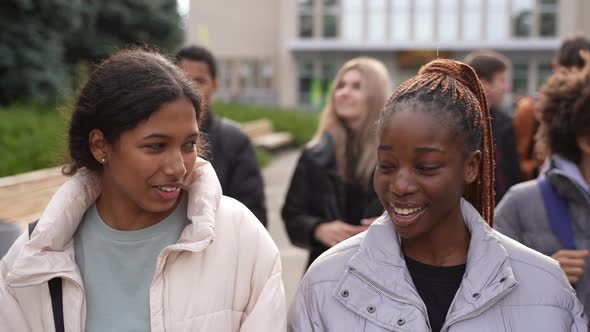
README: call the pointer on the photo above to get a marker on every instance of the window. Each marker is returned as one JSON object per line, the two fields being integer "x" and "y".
{"x": 305, "y": 18}
{"x": 305, "y": 78}
{"x": 548, "y": 18}
{"x": 352, "y": 20}
{"x": 472, "y": 17}
{"x": 376, "y": 20}
{"x": 522, "y": 17}
{"x": 265, "y": 76}
{"x": 223, "y": 74}
{"x": 497, "y": 20}
{"x": 247, "y": 75}
{"x": 330, "y": 19}
{"x": 424, "y": 20}
{"x": 400, "y": 19}
{"x": 520, "y": 78}
{"x": 448, "y": 21}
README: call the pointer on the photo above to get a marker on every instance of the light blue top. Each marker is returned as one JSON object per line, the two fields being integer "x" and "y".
{"x": 117, "y": 268}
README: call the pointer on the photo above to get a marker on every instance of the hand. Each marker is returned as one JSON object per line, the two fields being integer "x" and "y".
{"x": 368, "y": 221}
{"x": 572, "y": 262}
{"x": 333, "y": 232}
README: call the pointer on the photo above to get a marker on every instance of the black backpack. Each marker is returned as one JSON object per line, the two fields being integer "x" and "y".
{"x": 55, "y": 292}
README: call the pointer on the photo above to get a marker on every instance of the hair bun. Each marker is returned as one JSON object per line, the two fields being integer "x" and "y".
{"x": 461, "y": 72}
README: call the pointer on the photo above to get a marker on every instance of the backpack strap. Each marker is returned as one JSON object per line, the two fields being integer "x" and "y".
{"x": 558, "y": 213}
{"x": 55, "y": 292}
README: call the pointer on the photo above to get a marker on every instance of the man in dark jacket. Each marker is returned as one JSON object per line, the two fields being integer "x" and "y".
{"x": 232, "y": 154}
{"x": 492, "y": 69}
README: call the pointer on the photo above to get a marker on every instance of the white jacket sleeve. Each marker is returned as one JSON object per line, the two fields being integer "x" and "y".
{"x": 266, "y": 309}
{"x": 12, "y": 316}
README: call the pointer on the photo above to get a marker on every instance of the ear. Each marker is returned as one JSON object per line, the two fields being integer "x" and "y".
{"x": 99, "y": 146}
{"x": 471, "y": 169}
{"x": 584, "y": 143}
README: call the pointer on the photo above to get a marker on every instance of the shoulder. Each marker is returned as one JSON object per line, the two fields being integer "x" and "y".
{"x": 525, "y": 196}
{"x": 524, "y": 191}
{"x": 331, "y": 265}
{"x": 535, "y": 271}
{"x": 321, "y": 152}
{"x": 235, "y": 223}
{"x": 231, "y": 128}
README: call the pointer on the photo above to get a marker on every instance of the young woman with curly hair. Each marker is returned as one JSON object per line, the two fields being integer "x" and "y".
{"x": 525, "y": 214}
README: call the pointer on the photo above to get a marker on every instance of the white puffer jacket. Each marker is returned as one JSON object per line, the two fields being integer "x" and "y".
{"x": 223, "y": 274}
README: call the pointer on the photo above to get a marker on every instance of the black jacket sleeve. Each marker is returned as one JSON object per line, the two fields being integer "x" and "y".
{"x": 245, "y": 181}
{"x": 296, "y": 212}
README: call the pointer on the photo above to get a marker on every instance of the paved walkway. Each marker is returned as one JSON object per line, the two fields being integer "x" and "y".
{"x": 277, "y": 177}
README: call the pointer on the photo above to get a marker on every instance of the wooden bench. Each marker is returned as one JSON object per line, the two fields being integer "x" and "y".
{"x": 262, "y": 135}
{"x": 23, "y": 197}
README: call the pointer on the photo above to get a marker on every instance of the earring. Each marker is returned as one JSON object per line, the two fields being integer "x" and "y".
{"x": 102, "y": 161}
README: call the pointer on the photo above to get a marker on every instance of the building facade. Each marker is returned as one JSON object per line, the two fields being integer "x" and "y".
{"x": 286, "y": 52}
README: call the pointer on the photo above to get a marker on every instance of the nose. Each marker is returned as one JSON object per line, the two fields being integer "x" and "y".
{"x": 174, "y": 165}
{"x": 402, "y": 183}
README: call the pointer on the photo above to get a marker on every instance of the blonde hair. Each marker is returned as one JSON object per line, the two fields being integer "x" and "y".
{"x": 376, "y": 85}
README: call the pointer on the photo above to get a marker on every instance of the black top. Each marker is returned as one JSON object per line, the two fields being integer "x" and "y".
{"x": 506, "y": 157}
{"x": 234, "y": 160}
{"x": 437, "y": 286}
{"x": 318, "y": 194}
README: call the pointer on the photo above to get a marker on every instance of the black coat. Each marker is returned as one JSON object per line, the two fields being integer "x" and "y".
{"x": 234, "y": 160}
{"x": 505, "y": 154}
{"x": 318, "y": 194}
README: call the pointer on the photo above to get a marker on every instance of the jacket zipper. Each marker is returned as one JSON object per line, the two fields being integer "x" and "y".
{"x": 483, "y": 308}
{"x": 389, "y": 295}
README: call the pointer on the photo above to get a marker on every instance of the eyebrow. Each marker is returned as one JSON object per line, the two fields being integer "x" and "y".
{"x": 421, "y": 149}
{"x": 157, "y": 135}
{"x": 427, "y": 149}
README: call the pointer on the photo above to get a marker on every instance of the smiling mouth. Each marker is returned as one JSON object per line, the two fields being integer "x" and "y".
{"x": 168, "y": 189}
{"x": 404, "y": 216}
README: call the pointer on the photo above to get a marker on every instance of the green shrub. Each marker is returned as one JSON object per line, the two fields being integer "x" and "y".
{"x": 31, "y": 137}
{"x": 302, "y": 125}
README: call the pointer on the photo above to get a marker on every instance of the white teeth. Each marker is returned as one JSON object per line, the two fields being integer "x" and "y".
{"x": 168, "y": 189}
{"x": 406, "y": 212}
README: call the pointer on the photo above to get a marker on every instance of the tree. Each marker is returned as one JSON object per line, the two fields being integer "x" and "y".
{"x": 112, "y": 25}
{"x": 32, "y": 49}
{"x": 43, "y": 41}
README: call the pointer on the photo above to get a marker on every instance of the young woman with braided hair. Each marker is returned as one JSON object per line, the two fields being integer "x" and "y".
{"x": 527, "y": 213}
{"x": 432, "y": 262}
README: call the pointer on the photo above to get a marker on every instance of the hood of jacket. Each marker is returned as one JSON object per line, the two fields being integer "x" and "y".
{"x": 50, "y": 252}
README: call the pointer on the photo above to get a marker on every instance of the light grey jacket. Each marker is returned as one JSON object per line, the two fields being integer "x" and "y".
{"x": 521, "y": 215}
{"x": 363, "y": 284}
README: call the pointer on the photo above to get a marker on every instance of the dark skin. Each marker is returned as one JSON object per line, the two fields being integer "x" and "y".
{"x": 420, "y": 178}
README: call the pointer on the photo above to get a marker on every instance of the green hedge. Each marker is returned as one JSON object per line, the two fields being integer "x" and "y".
{"x": 31, "y": 137}
{"x": 302, "y": 125}
{"x": 34, "y": 136}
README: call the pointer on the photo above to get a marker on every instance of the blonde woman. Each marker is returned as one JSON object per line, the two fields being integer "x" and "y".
{"x": 331, "y": 197}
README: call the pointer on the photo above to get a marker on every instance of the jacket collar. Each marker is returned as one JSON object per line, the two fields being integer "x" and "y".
{"x": 566, "y": 177}
{"x": 50, "y": 251}
{"x": 380, "y": 263}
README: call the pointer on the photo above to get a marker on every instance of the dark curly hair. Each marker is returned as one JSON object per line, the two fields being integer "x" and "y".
{"x": 123, "y": 91}
{"x": 564, "y": 106}
{"x": 452, "y": 91}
